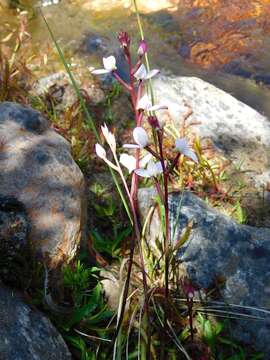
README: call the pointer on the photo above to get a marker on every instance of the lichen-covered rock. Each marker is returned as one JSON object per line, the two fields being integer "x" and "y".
{"x": 37, "y": 169}
{"x": 220, "y": 250}
{"x": 14, "y": 228}
{"x": 239, "y": 131}
{"x": 59, "y": 90}
{"x": 26, "y": 334}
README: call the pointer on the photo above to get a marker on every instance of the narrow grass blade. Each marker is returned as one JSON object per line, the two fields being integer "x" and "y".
{"x": 84, "y": 107}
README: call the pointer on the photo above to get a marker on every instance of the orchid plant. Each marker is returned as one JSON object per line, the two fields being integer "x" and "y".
{"x": 148, "y": 160}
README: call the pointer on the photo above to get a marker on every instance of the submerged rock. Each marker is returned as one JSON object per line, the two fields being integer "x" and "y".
{"x": 226, "y": 31}
{"x": 220, "y": 253}
{"x": 236, "y": 129}
{"x": 26, "y": 334}
{"x": 37, "y": 169}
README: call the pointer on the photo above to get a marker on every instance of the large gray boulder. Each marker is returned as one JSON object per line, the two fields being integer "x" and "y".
{"x": 26, "y": 334}
{"x": 14, "y": 247}
{"x": 37, "y": 169}
{"x": 220, "y": 250}
{"x": 239, "y": 131}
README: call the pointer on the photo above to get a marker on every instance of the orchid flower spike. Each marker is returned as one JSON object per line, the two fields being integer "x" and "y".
{"x": 153, "y": 169}
{"x": 145, "y": 104}
{"x": 109, "y": 137}
{"x": 140, "y": 137}
{"x": 129, "y": 161}
{"x": 109, "y": 66}
{"x": 182, "y": 146}
{"x": 142, "y": 74}
{"x": 124, "y": 39}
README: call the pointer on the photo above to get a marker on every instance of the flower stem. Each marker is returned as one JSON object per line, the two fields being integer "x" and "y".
{"x": 167, "y": 225}
{"x": 121, "y": 81}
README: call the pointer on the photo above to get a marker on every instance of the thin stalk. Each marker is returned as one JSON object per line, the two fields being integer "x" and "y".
{"x": 166, "y": 236}
{"x": 166, "y": 207}
{"x": 190, "y": 317}
{"x": 145, "y": 55}
{"x": 134, "y": 209}
{"x": 121, "y": 81}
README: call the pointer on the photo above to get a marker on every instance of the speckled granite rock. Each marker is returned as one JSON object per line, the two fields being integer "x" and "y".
{"x": 219, "y": 248}
{"x": 26, "y": 334}
{"x": 235, "y": 128}
{"x": 14, "y": 228}
{"x": 58, "y": 89}
{"x": 37, "y": 169}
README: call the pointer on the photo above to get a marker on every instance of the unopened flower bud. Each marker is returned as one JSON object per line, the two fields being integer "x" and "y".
{"x": 124, "y": 39}
{"x": 153, "y": 122}
{"x": 142, "y": 48}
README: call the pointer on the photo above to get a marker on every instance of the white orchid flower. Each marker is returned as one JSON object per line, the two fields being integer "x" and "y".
{"x": 143, "y": 74}
{"x": 140, "y": 137}
{"x": 153, "y": 169}
{"x": 182, "y": 146}
{"x": 109, "y": 66}
{"x": 109, "y": 137}
{"x": 129, "y": 161}
{"x": 101, "y": 152}
{"x": 146, "y": 104}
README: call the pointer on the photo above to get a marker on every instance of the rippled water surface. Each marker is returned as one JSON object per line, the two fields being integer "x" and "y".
{"x": 179, "y": 43}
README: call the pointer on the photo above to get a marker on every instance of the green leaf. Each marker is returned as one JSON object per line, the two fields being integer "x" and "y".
{"x": 208, "y": 333}
{"x": 80, "y": 314}
{"x": 101, "y": 316}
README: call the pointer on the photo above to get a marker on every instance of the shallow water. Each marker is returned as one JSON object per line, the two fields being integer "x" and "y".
{"x": 88, "y": 35}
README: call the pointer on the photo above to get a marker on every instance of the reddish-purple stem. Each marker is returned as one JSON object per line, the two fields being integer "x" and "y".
{"x": 121, "y": 81}
{"x": 133, "y": 197}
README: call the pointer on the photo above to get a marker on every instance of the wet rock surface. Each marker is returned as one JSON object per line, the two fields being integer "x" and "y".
{"x": 37, "y": 169}
{"x": 237, "y": 130}
{"x": 26, "y": 334}
{"x": 220, "y": 252}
